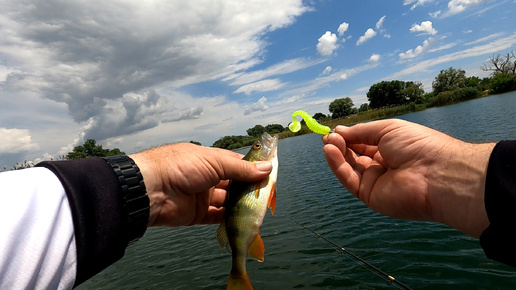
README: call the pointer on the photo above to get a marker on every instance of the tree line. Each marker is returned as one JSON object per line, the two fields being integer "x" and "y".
{"x": 449, "y": 86}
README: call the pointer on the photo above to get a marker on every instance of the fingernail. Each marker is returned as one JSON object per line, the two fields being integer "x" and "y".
{"x": 264, "y": 166}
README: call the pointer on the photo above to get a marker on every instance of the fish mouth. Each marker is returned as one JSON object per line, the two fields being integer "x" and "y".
{"x": 270, "y": 146}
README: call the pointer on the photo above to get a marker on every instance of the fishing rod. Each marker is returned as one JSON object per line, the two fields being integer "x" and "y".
{"x": 390, "y": 279}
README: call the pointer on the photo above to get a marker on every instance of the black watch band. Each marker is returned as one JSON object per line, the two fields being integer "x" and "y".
{"x": 136, "y": 201}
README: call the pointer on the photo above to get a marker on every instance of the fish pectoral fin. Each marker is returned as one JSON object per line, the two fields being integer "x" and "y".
{"x": 222, "y": 237}
{"x": 272, "y": 199}
{"x": 256, "y": 248}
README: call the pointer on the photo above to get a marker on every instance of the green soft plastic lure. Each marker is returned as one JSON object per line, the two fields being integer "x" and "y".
{"x": 310, "y": 122}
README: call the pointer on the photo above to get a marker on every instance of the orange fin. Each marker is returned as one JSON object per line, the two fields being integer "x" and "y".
{"x": 239, "y": 281}
{"x": 272, "y": 199}
{"x": 256, "y": 248}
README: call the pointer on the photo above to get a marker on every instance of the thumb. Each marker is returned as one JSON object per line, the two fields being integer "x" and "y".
{"x": 242, "y": 170}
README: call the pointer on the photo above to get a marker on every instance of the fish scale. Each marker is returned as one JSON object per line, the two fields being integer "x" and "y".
{"x": 246, "y": 206}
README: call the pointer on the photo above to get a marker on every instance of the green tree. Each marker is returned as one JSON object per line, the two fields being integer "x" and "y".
{"x": 274, "y": 128}
{"x": 503, "y": 82}
{"x": 319, "y": 116}
{"x": 91, "y": 149}
{"x": 448, "y": 80}
{"x": 364, "y": 107}
{"x": 413, "y": 92}
{"x": 255, "y": 131}
{"x": 341, "y": 107}
{"x": 392, "y": 93}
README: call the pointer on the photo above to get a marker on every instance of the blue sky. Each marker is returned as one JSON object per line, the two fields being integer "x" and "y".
{"x": 138, "y": 74}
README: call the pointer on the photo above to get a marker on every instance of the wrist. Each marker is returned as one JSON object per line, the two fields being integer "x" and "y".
{"x": 460, "y": 185}
{"x": 153, "y": 184}
{"x": 134, "y": 193}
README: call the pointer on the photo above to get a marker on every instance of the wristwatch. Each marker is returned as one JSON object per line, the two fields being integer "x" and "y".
{"x": 136, "y": 201}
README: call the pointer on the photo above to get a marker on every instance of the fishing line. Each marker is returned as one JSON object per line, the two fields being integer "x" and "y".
{"x": 389, "y": 279}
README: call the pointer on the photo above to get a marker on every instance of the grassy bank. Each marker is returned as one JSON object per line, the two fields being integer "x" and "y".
{"x": 382, "y": 113}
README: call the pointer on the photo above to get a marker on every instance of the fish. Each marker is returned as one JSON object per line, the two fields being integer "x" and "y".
{"x": 245, "y": 209}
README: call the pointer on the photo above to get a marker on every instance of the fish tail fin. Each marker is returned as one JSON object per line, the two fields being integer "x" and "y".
{"x": 239, "y": 281}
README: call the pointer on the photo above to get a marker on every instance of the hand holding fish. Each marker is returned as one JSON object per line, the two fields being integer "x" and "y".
{"x": 409, "y": 171}
{"x": 186, "y": 183}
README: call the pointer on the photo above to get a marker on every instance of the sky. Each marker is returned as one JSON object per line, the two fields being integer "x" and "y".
{"x": 137, "y": 74}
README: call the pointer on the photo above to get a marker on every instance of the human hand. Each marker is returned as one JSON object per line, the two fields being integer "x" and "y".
{"x": 186, "y": 183}
{"x": 409, "y": 171}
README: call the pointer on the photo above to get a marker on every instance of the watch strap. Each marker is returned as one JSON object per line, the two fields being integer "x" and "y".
{"x": 136, "y": 201}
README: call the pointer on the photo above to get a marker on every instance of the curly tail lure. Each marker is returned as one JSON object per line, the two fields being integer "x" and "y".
{"x": 312, "y": 124}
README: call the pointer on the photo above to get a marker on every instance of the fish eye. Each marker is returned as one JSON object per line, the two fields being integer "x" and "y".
{"x": 257, "y": 146}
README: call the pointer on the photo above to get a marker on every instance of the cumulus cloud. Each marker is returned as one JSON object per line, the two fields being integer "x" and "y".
{"x": 343, "y": 27}
{"x": 132, "y": 113}
{"x": 412, "y": 53}
{"x": 425, "y": 27}
{"x": 259, "y": 106}
{"x": 374, "y": 57}
{"x": 100, "y": 60}
{"x": 327, "y": 43}
{"x": 327, "y": 70}
{"x": 260, "y": 86}
{"x": 457, "y": 6}
{"x": 16, "y": 141}
{"x": 370, "y": 33}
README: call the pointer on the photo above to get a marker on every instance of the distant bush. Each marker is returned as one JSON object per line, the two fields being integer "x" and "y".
{"x": 454, "y": 96}
{"x": 503, "y": 82}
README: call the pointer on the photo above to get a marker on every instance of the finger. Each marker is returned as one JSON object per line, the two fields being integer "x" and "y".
{"x": 342, "y": 169}
{"x": 237, "y": 169}
{"x": 223, "y": 184}
{"x": 218, "y": 197}
{"x": 369, "y": 180}
{"x": 368, "y": 133}
{"x": 214, "y": 215}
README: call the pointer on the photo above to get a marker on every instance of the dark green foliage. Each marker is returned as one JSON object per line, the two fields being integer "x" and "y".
{"x": 393, "y": 93}
{"x": 341, "y": 108}
{"x": 274, "y": 129}
{"x": 450, "y": 79}
{"x": 91, "y": 149}
{"x": 364, "y": 107}
{"x": 503, "y": 82}
{"x": 320, "y": 116}
{"x": 233, "y": 142}
{"x": 457, "y": 95}
{"x": 255, "y": 131}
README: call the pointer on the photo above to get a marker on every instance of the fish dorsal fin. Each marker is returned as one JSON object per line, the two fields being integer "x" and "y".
{"x": 222, "y": 237}
{"x": 272, "y": 199}
{"x": 256, "y": 248}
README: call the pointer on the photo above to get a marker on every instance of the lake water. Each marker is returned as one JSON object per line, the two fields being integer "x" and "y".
{"x": 421, "y": 255}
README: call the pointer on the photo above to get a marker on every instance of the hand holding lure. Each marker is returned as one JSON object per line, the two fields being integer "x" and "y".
{"x": 312, "y": 124}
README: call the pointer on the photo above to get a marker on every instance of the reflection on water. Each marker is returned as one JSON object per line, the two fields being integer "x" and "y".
{"x": 420, "y": 254}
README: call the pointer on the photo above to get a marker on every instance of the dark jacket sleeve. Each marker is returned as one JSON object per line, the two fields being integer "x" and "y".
{"x": 96, "y": 202}
{"x": 499, "y": 239}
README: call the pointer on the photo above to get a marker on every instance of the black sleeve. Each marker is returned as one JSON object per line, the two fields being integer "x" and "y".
{"x": 97, "y": 206}
{"x": 499, "y": 239}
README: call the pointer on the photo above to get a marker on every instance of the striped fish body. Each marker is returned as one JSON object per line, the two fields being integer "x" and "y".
{"x": 246, "y": 206}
